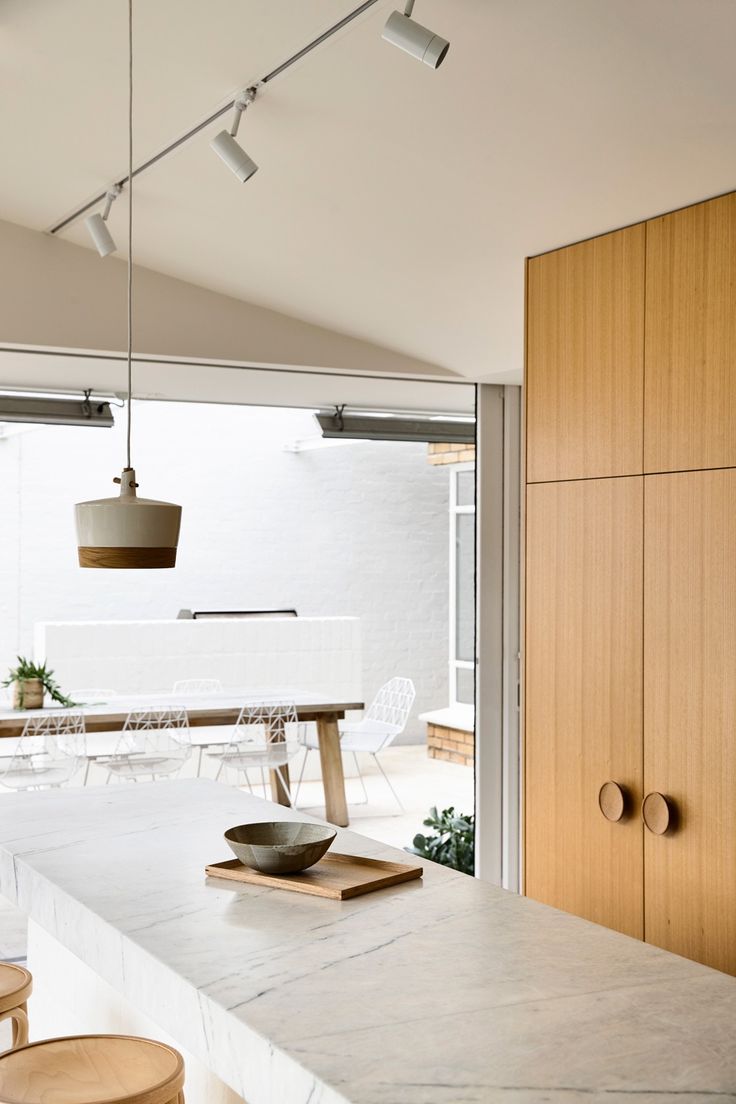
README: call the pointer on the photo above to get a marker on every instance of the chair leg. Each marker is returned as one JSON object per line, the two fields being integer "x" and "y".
{"x": 393, "y": 791}
{"x": 199, "y": 764}
{"x": 86, "y": 772}
{"x": 301, "y": 775}
{"x": 219, "y": 770}
{"x": 362, "y": 780}
{"x": 19, "y": 1021}
{"x": 263, "y": 783}
{"x": 20, "y": 1026}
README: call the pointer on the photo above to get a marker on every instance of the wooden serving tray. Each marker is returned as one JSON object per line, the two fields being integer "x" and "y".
{"x": 337, "y": 876}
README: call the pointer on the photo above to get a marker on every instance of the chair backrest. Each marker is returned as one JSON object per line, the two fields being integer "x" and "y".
{"x": 266, "y": 733}
{"x": 92, "y": 696}
{"x": 170, "y": 717}
{"x": 198, "y": 686}
{"x": 146, "y": 731}
{"x": 267, "y": 722}
{"x": 63, "y": 729}
{"x": 48, "y": 752}
{"x": 392, "y": 705}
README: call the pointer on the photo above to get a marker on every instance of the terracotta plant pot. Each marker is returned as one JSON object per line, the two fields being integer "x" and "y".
{"x": 28, "y": 694}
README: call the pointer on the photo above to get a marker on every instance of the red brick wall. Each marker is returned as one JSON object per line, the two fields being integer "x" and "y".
{"x": 451, "y": 454}
{"x": 451, "y": 744}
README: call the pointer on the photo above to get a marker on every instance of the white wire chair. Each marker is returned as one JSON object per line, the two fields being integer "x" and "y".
{"x": 384, "y": 720}
{"x": 193, "y": 687}
{"x": 154, "y": 743}
{"x": 267, "y": 735}
{"x": 92, "y": 695}
{"x": 48, "y": 752}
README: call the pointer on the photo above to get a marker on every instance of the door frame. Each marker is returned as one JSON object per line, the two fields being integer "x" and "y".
{"x": 498, "y": 641}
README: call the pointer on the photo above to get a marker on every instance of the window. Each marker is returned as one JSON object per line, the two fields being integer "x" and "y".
{"x": 462, "y": 584}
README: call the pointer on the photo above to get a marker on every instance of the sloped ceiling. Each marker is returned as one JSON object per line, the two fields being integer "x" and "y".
{"x": 393, "y": 203}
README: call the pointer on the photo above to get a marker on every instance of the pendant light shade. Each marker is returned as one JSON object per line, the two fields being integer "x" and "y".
{"x": 127, "y": 531}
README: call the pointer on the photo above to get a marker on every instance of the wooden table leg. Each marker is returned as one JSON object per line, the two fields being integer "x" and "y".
{"x": 278, "y": 790}
{"x": 333, "y": 779}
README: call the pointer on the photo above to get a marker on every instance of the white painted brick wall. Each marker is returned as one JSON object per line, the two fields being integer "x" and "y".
{"x": 358, "y": 530}
{"x": 319, "y": 655}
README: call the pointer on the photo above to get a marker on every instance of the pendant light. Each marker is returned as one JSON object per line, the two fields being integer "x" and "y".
{"x": 128, "y": 531}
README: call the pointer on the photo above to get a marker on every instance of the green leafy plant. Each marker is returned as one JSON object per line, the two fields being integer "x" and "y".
{"x": 452, "y": 842}
{"x": 27, "y": 670}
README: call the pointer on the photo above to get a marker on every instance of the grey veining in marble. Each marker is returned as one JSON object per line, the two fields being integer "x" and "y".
{"x": 442, "y": 992}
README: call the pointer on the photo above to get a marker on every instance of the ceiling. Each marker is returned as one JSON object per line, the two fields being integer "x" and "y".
{"x": 393, "y": 203}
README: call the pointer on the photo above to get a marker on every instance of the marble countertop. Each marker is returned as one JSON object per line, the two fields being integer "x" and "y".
{"x": 448, "y": 991}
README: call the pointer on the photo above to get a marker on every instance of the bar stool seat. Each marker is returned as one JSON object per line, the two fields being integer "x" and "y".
{"x": 92, "y": 1069}
{"x": 16, "y": 985}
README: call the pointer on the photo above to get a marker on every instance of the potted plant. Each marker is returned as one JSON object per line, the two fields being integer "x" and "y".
{"x": 30, "y": 682}
{"x": 452, "y": 843}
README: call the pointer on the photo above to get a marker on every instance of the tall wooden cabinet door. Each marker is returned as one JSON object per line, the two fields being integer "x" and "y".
{"x": 690, "y": 358}
{"x": 583, "y": 696}
{"x": 690, "y": 713}
{"x": 585, "y": 359}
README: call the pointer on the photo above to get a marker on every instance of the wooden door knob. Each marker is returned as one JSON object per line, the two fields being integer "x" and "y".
{"x": 656, "y": 813}
{"x": 612, "y": 801}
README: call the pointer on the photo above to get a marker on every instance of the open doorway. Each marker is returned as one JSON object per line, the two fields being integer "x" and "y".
{"x": 350, "y": 534}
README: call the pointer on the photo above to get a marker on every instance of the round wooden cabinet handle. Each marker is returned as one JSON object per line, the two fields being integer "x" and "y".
{"x": 612, "y": 801}
{"x": 656, "y": 813}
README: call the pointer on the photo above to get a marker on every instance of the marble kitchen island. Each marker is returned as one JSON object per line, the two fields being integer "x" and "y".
{"x": 448, "y": 991}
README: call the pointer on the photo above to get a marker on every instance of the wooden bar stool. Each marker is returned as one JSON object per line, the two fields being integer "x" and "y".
{"x": 92, "y": 1069}
{"x": 16, "y": 985}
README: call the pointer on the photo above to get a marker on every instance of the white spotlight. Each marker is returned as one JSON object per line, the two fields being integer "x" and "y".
{"x": 97, "y": 225}
{"x": 225, "y": 146}
{"x": 424, "y": 45}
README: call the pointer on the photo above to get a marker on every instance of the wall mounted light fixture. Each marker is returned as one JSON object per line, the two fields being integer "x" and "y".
{"x": 55, "y": 409}
{"x": 383, "y": 425}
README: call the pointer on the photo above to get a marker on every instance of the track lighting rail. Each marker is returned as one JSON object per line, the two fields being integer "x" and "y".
{"x": 123, "y": 180}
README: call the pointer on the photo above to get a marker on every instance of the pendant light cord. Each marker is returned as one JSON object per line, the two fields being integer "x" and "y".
{"x": 130, "y": 224}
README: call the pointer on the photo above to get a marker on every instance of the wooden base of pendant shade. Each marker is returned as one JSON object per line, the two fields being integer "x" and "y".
{"x": 127, "y": 557}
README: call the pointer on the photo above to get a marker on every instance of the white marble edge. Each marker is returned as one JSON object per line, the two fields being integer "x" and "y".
{"x": 414, "y": 995}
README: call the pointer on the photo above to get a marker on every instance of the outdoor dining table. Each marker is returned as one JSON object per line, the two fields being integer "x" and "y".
{"x": 209, "y": 710}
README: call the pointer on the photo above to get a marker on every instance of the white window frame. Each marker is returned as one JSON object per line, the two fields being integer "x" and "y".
{"x": 455, "y": 511}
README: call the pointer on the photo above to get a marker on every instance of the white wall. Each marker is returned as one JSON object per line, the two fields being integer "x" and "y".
{"x": 355, "y": 530}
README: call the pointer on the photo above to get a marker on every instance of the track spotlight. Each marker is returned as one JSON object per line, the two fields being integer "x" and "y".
{"x": 424, "y": 45}
{"x": 97, "y": 225}
{"x": 225, "y": 146}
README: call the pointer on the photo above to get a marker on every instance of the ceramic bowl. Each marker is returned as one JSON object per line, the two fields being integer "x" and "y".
{"x": 281, "y": 846}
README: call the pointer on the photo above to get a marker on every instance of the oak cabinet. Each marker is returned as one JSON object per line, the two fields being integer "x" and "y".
{"x": 690, "y": 354}
{"x": 631, "y": 684}
{"x": 584, "y": 697}
{"x": 585, "y": 359}
{"x": 630, "y": 635}
{"x": 690, "y": 713}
